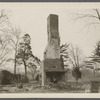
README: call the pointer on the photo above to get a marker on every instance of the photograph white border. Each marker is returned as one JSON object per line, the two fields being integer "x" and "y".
{"x": 69, "y": 5}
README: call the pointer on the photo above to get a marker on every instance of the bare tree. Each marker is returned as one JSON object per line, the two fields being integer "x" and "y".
{"x": 13, "y": 35}
{"x": 4, "y": 49}
{"x": 76, "y": 61}
{"x": 97, "y": 16}
{"x": 94, "y": 16}
{"x": 4, "y": 43}
{"x": 75, "y": 57}
{"x": 4, "y": 17}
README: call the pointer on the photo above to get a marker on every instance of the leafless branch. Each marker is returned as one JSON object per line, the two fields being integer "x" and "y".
{"x": 81, "y": 16}
{"x": 75, "y": 57}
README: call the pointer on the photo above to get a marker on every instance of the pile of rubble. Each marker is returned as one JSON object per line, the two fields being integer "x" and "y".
{"x": 36, "y": 87}
{"x": 19, "y": 88}
{"x": 63, "y": 85}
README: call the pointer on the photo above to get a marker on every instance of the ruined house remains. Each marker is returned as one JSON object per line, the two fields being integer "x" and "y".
{"x": 52, "y": 65}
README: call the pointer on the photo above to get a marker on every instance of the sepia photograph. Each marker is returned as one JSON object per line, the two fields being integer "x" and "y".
{"x": 49, "y": 48}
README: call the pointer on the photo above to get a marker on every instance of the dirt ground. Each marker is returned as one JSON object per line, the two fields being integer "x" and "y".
{"x": 35, "y": 87}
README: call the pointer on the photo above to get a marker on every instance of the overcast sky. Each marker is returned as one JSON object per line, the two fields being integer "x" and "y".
{"x": 32, "y": 19}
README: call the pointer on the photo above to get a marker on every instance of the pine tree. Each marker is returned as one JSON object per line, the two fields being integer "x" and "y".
{"x": 96, "y": 55}
{"x": 25, "y": 55}
{"x": 24, "y": 52}
{"x": 64, "y": 53}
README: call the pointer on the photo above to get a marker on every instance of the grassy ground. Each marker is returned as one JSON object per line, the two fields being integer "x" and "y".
{"x": 35, "y": 87}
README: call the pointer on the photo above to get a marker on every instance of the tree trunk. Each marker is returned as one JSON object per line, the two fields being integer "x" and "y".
{"x": 32, "y": 72}
{"x": 15, "y": 64}
{"x": 94, "y": 72}
{"x": 77, "y": 80}
{"x": 25, "y": 70}
{"x": 25, "y": 73}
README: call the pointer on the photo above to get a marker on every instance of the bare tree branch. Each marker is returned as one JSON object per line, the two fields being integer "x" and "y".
{"x": 75, "y": 57}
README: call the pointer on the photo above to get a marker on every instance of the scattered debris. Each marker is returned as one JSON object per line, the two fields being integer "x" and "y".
{"x": 20, "y": 86}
